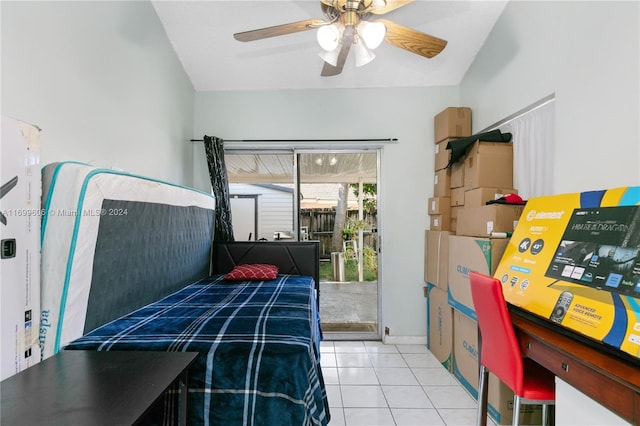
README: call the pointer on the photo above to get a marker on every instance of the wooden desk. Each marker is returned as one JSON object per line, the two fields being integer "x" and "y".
{"x": 93, "y": 388}
{"x": 611, "y": 380}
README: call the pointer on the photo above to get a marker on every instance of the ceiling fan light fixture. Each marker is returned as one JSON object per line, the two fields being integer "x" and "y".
{"x": 330, "y": 57}
{"x": 372, "y": 33}
{"x": 362, "y": 53}
{"x": 329, "y": 37}
{"x": 349, "y": 25}
{"x": 378, "y": 4}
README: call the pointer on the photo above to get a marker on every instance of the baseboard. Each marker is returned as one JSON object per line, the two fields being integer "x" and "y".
{"x": 404, "y": 340}
{"x": 349, "y": 327}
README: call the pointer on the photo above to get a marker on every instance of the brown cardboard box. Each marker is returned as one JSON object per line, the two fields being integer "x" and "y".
{"x": 470, "y": 254}
{"x": 457, "y": 197}
{"x": 482, "y": 221}
{"x": 436, "y": 258}
{"x": 442, "y": 155}
{"x": 452, "y": 122}
{"x": 455, "y": 211}
{"x": 479, "y": 196}
{"x": 489, "y": 164}
{"x": 453, "y": 225}
{"x": 442, "y": 183}
{"x": 439, "y": 222}
{"x": 465, "y": 369}
{"x": 439, "y": 205}
{"x": 440, "y": 326}
{"x": 457, "y": 174}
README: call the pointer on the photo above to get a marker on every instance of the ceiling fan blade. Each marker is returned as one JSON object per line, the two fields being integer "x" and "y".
{"x": 329, "y": 70}
{"x": 277, "y": 30}
{"x": 391, "y": 5}
{"x": 414, "y": 41}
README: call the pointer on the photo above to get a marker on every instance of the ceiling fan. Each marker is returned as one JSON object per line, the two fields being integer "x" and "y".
{"x": 349, "y": 23}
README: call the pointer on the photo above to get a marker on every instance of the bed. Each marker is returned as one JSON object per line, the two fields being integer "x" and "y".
{"x": 152, "y": 279}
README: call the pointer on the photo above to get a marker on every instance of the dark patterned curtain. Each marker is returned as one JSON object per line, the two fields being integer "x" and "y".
{"x": 214, "y": 147}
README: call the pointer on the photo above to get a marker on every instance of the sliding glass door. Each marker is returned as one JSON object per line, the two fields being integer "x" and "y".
{"x": 338, "y": 207}
{"x": 329, "y": 196}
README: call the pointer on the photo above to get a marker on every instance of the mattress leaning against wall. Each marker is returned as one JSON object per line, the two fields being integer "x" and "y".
{"x": 83, "y": 240}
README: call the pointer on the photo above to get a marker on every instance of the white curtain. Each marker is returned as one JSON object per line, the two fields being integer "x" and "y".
{"x": 533, "y": 147}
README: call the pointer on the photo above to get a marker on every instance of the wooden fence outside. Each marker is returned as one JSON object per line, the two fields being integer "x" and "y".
{"x": 319, "y": 223}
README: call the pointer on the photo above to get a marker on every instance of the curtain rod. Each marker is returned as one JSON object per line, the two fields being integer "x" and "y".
{"x": 534, "y": 106}
{"x": 303, "y": 140}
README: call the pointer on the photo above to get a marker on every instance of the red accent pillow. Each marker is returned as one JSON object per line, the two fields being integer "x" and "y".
{"x": 253, "y": 272}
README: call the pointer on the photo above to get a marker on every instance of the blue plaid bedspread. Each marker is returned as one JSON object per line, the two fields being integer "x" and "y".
{"x": 258, "y": 344}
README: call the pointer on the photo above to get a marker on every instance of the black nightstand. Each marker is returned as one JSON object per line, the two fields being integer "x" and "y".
{"x": 93, "y": 388}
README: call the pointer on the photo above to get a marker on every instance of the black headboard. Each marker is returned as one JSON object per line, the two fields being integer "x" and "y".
{"x": 291, "y": 257}
{"x": 151, "y": 252}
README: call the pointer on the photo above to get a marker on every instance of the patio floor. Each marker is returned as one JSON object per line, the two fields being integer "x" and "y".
{"x": 349, "y": 306}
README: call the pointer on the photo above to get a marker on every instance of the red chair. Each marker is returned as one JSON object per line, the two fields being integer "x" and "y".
{"x": 500, "y": 353}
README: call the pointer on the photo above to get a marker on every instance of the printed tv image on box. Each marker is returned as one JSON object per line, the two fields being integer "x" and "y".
{"x": 600, "y": 248}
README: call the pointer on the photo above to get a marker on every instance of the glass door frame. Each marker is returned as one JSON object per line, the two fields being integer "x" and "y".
{"x": 377, "y": 335}
{"x": 362, "y": 146}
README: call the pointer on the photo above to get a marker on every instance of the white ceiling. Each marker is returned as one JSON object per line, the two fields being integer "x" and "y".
{"x": 202, "y": 35}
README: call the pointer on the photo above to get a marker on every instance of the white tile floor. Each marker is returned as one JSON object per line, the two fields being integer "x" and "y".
{"x": 373, "y": 384}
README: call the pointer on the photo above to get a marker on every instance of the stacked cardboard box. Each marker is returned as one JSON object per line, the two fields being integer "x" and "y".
{"x": 449, "y": 124}
{"x": 452, "y": 122}
{"x": 489, "y": 164}
{"x": 440, "y": 326}
{"x": 466, "y": 353}
{"x": 438, "y": 209}
{"x": 436, "y": 258}
{"x": 485, "y": 221}
{"x": 482, "y": 255}
{"x": 458, "y": 242}
{"x": 484, "y": 173}
{"x": 439, "y": 312}
{"x": 478, "y": 197}
{"x": 470, "y": 254}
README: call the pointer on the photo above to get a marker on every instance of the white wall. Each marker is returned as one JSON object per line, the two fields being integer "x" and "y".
{"x": 575, "y": 408}
{"x": 274, "y": 210}
{"x": 407, "y": 166}
{"x": 588, "y": 54}
{"x": 102, "y": 82}
{"x": 585, "y": 52}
